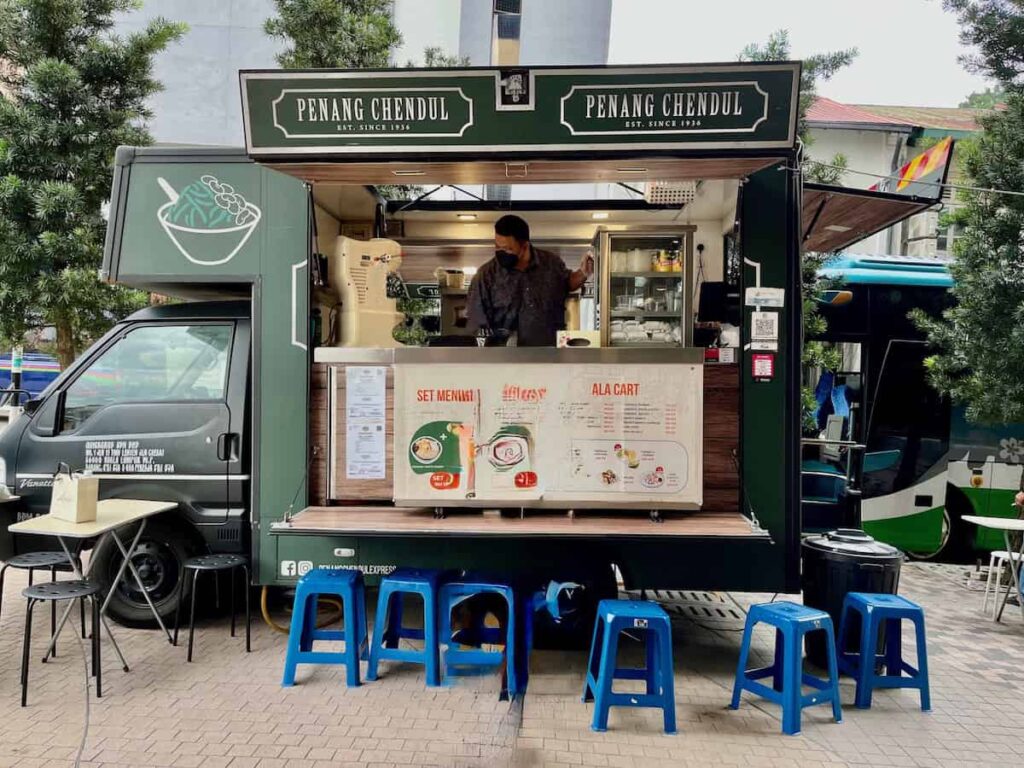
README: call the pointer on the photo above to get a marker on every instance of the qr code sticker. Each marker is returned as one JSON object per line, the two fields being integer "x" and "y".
{"x": 765, "y": 326}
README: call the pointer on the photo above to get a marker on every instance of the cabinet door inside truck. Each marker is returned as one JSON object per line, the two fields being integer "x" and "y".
{"x": 149, "y": 413}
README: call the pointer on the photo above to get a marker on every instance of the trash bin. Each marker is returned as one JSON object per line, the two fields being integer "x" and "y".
{"x": 842, "y": 561}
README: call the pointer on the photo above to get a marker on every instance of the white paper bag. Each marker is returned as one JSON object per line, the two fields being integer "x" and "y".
{"x": 74, "y": 496}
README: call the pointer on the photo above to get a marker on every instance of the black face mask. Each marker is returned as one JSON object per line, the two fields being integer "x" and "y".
{"x": 506, "y": 259}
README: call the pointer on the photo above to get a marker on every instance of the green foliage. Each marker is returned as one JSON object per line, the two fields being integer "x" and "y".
{"x": 987, "y": 99}
{"x": 816, "y": 68}
{"x": 350, "y": 34}
{"x": 994, "y": 31}
{"x": 826, "y": 173}
{"x": 434, "y": 56}
{"x": 72, "y": 92}
{"x": 978, "y": 342}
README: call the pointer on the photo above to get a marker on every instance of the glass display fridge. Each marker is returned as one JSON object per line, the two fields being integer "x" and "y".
{"x": 645, "y": 290}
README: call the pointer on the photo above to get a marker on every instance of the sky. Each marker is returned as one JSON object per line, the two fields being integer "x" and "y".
{"x": 908, "y": 48}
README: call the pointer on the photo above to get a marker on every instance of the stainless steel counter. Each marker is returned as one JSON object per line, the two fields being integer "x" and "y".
{"x": 510, "y": 355}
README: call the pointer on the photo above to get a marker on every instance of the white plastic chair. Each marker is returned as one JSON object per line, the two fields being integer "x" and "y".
{"x": 996, "y": 563}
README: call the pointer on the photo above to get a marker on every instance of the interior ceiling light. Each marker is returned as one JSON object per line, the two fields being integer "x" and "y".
{"x": 466, "y": 216}
{"x": 599, "y": 215}
{"x": 409, "y": 173}
{"x": 631, "y": 170}
{"x": 837, "y": 228}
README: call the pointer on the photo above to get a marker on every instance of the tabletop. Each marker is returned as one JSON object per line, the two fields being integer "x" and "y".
{"x": 110, "y": 514}
{"x": 8, "y": 499}
{"x": 999, "y": 523}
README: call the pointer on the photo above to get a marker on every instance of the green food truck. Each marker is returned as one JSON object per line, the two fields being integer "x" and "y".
{"x": 275, "y": 404}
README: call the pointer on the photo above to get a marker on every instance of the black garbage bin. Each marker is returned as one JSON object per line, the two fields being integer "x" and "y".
{"x": 842, "y": 561}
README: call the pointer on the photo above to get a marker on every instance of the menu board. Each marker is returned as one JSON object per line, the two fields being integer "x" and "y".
{"x": 525, "y": 435}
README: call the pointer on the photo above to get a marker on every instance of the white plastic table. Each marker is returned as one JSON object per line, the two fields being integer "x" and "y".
{"x": 8, "y": 499}
{"x": 111, "y": 515}
{"x": 1007, "y": 525}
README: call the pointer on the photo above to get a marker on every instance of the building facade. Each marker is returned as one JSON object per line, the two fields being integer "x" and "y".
{"x": 876, "y": 141}
{"x": 200, "y": 102}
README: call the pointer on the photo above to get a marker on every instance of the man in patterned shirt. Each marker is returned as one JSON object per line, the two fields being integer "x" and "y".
{"x": 521, "y": 292}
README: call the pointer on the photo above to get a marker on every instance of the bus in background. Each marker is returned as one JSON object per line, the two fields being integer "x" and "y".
{"x": 37, "y": 371}
{"x": 925, "y": 465}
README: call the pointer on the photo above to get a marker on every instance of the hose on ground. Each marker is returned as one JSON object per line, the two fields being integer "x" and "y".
{"x": 322, "y": 622}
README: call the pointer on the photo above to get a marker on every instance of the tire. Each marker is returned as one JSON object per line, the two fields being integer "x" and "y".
{"x": 164, "y": 546}
{"x": 943, "y": 549}
{"x": 957, "y": 544}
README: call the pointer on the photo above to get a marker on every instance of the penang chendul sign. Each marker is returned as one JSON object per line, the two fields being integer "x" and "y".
{"x": 594, "y": 110}
{"x": 589, "y": 109}
{"x": 356, "y": 113}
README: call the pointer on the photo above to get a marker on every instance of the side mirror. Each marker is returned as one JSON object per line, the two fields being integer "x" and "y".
{"x": 58, "y": 414}
{"x": 32, "y": 405}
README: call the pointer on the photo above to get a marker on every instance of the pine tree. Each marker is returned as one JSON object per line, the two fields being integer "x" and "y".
{"x": 351, "y": 34}
{"x": 980, "y": 340}
{"x": 71, "y": 93}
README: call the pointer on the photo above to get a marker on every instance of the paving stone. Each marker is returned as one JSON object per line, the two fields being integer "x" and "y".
{"x": 227, "y": 709}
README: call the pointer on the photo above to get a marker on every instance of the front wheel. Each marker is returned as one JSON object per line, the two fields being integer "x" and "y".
{"x": 164, "y": 546}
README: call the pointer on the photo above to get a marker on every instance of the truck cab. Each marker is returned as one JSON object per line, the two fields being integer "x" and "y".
{"x": 158, "y": 408}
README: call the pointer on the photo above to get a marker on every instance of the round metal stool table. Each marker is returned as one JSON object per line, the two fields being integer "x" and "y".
{"x": 54, "y": 592}
{"x": 214, "y": 563}
{"x": 31, "y": 561}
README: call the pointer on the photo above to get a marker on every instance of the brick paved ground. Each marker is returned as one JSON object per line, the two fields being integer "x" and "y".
{"x": 227, "y": 709}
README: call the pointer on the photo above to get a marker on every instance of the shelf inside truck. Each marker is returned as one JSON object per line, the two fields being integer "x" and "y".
{"x": 413, "y": 521}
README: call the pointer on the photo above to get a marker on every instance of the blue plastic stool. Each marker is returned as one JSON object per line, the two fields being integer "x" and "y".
{"x": 614, "y": 617}
{"x": 791, "y": 622}
{"x": 388, "y": 629}
{"x": 516, "y": 636}
{"x": 873, "y": 611}
{"x": 347, "y": 585}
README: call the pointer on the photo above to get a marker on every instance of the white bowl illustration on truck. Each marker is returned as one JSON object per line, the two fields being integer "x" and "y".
{"x": 208, "y": 221}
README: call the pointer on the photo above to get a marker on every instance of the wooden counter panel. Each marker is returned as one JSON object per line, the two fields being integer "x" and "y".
{"x": 405, "y": 521}
{"x": 721, "y": 439}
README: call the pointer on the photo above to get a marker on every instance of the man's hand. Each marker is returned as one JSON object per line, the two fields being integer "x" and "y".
{"x": 578, "y": 278}
{"x": 587, "y": 264}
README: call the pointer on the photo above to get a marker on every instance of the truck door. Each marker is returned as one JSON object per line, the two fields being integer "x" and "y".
{"x": 149, "y": 413}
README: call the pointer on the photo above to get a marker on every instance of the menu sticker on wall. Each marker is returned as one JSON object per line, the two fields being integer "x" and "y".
{"x": 762, "y": 366}
{"x": 515, "y": 434}
{"x": 365, "y": 437}
{"x": 765, "y": 297}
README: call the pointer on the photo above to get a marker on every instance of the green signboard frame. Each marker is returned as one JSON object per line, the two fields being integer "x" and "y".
{"x": 299, "y": 114}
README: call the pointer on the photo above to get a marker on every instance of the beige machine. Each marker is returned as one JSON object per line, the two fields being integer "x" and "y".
{"x": 358, "y": 272}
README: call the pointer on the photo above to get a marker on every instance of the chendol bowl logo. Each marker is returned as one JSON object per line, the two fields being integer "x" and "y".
{"x": 208, "y": 221}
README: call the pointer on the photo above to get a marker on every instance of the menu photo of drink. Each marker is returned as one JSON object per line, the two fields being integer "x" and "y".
{"x": 596, "y": 434}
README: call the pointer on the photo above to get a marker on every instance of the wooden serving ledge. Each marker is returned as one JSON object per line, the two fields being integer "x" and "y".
{"x": 413, "y": 521}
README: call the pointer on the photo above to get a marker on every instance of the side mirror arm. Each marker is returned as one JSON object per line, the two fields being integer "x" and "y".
{"x": 58, "y": 415}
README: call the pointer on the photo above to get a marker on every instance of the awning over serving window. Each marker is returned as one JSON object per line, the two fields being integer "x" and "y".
{"x": 834, "y": 218}
{"x": 837, "y": 217}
